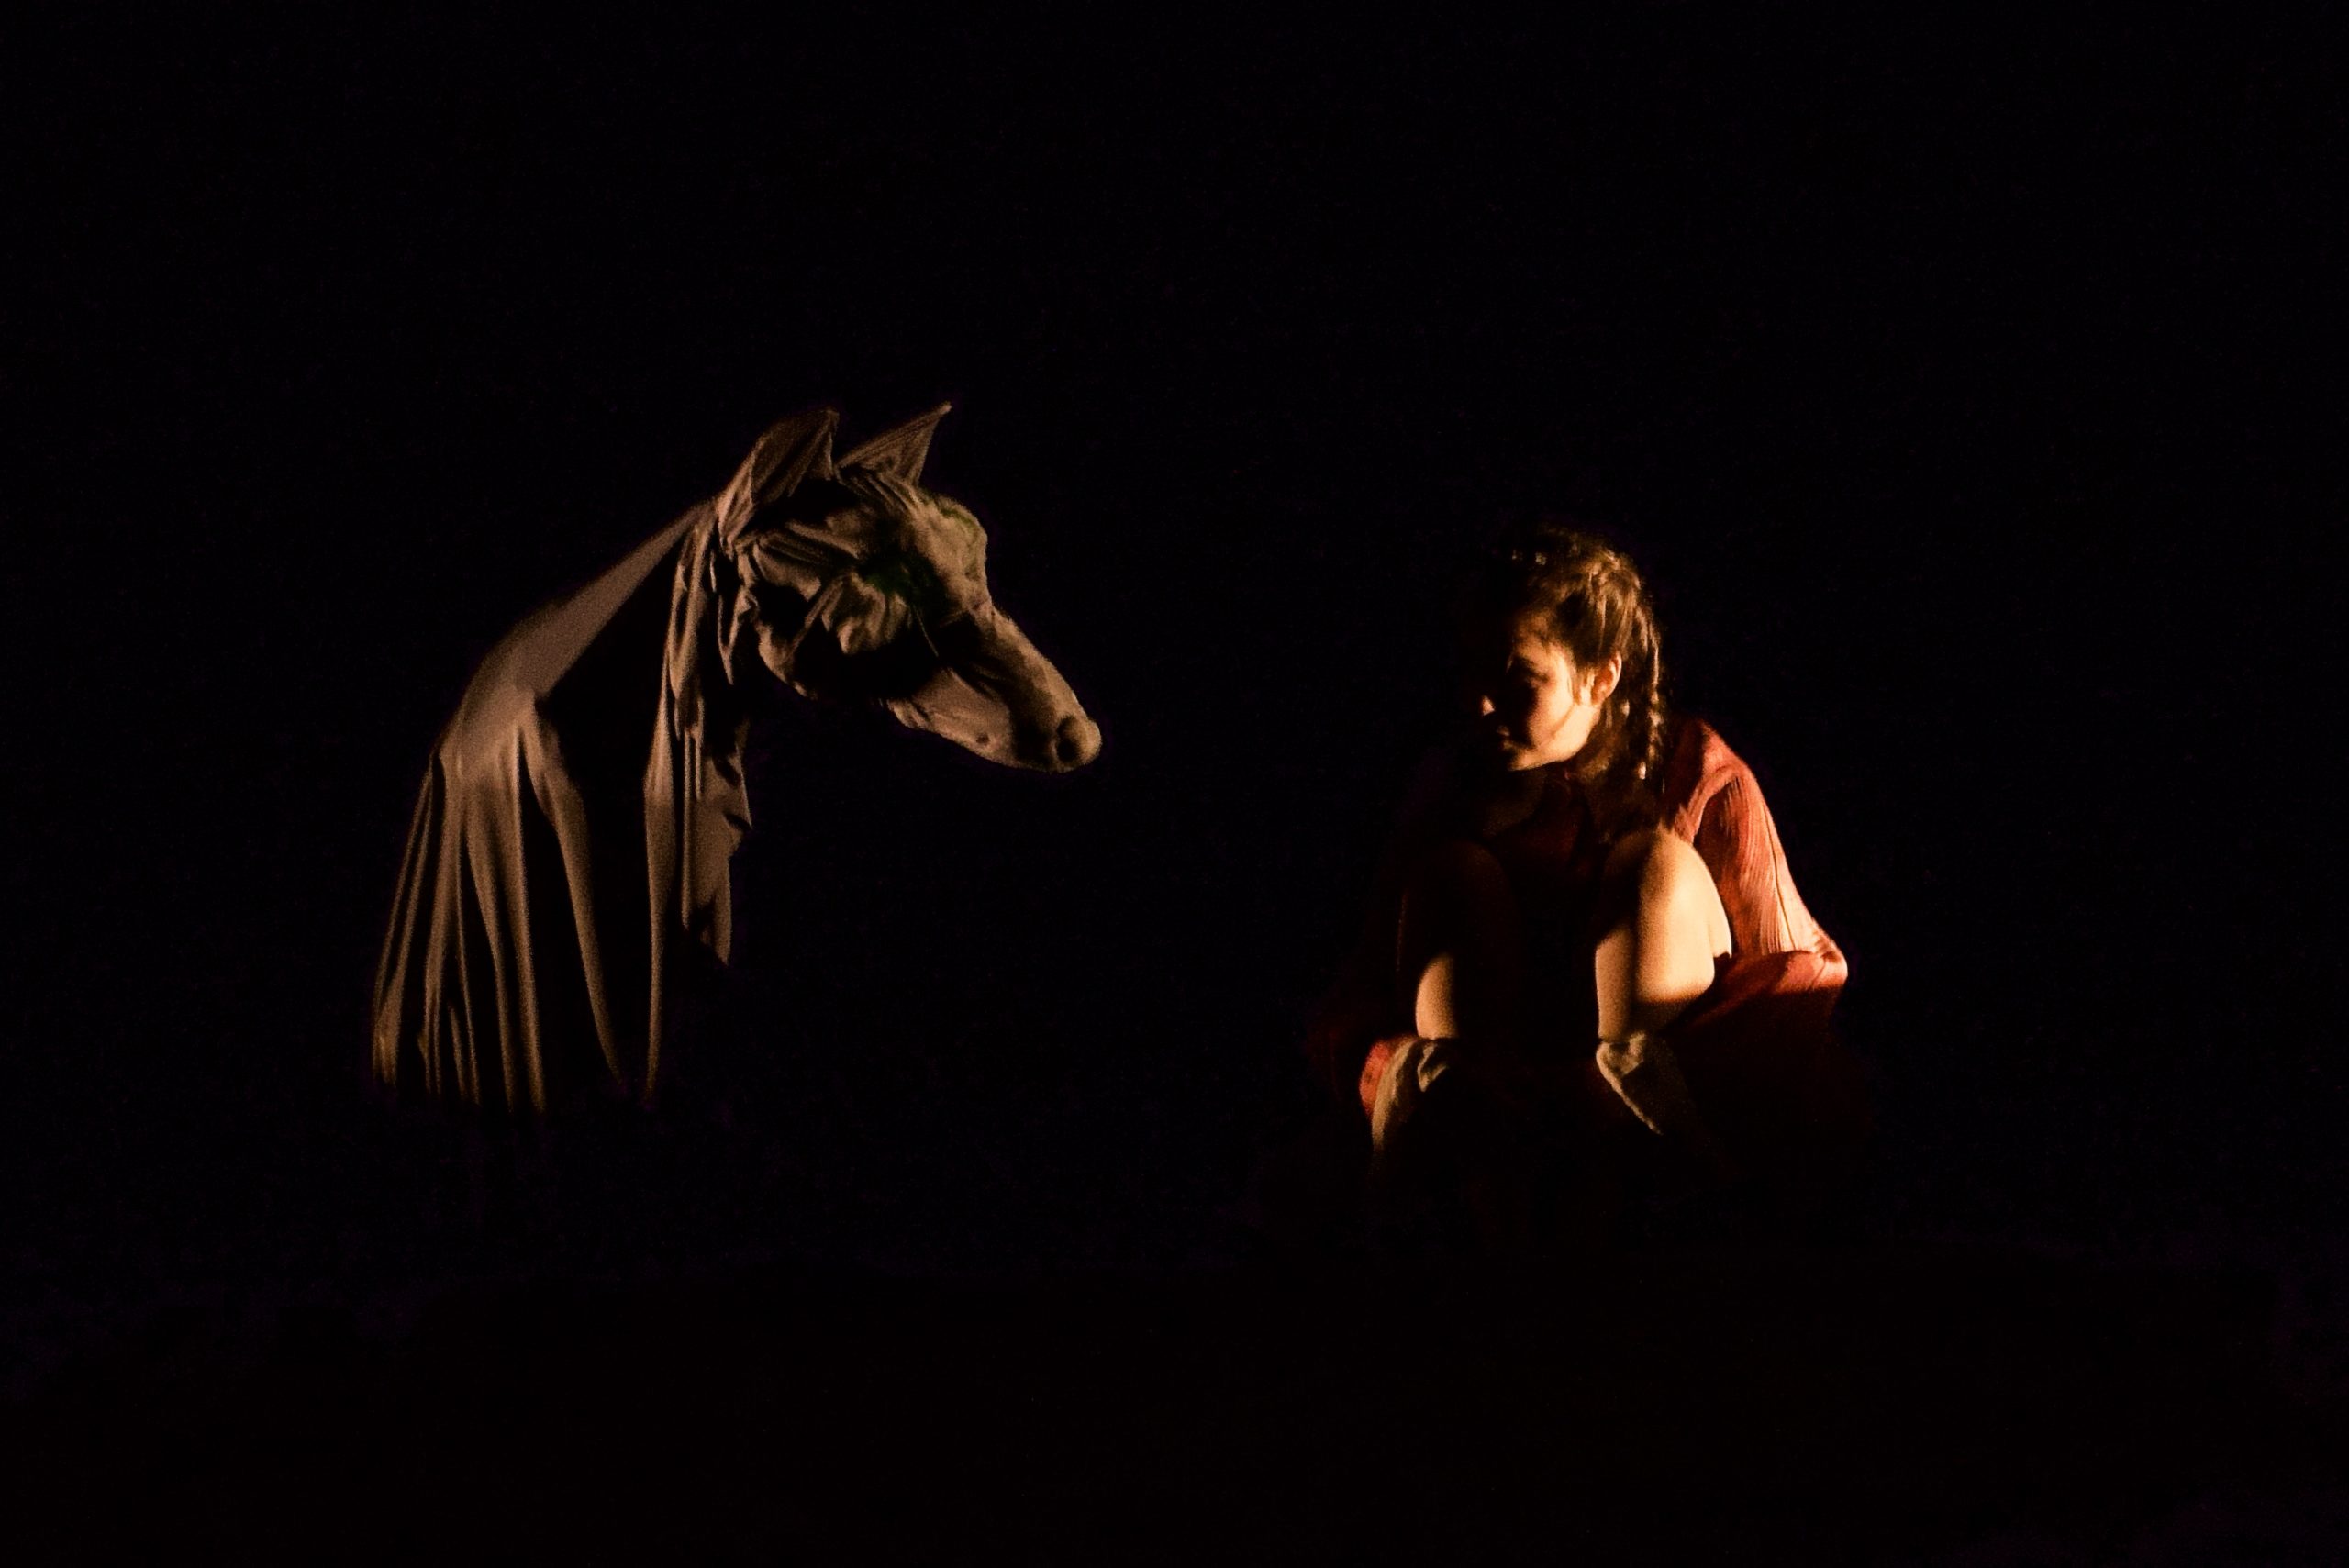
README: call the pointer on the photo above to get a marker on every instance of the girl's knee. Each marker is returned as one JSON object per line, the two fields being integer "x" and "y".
{"x": 1460, "y": 859}
{"x": 1637, "y": 861}
{"x": 1456, "y": 893}
{"x": 1459, "y": 872}
{"x": 1658, "y": 883}
{"x": 1666, "y": 927}
{"x": 1457, "y": 943}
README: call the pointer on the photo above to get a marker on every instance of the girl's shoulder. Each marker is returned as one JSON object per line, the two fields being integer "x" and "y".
{"x": 1698, "y": 764}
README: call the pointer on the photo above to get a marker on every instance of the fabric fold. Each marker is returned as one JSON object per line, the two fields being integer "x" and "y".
{"x": 598, "y": 736}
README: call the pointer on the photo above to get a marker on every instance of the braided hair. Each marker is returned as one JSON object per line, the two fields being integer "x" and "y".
{"x": 1599, "y": 609}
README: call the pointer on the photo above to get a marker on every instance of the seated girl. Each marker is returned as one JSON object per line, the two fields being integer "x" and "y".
{"x": 1587, "y": 968}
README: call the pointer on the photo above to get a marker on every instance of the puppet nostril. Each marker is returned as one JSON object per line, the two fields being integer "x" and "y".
{"x": 1077, "y": 742}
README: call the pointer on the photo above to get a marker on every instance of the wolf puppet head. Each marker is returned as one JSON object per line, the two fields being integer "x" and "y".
{"x": 854, "y": 582}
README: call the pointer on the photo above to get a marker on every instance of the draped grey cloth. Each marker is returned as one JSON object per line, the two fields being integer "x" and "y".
{"x": 518, "y": 932}
{"x": 571, "y": 842}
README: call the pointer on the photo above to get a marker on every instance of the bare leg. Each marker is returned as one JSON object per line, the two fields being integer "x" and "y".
{"x": 1652, "y": 964}
{"x": 1658, "y": 955}
{"x": 1459, "y": 951}
{"x": 1460, "y": 955}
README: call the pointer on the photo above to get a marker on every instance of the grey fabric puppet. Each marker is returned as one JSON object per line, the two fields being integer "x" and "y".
{"x": 571, "y": 842}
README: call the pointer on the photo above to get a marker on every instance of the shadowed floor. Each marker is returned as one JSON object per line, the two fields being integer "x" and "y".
{"x": 1878, "y": 1403}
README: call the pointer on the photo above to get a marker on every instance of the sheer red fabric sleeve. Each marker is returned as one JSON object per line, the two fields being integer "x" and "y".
{"x": 1759, "y": 1055}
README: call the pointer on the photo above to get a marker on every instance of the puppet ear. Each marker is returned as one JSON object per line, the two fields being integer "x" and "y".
{"x": 899, "y": 453}
{"x": 784, "y": 458}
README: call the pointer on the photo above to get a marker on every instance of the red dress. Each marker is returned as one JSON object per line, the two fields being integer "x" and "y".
{"x": 1761, "y": 1062}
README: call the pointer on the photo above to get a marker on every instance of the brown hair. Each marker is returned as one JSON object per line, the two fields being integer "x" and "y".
{"x": 1598, "y": 609}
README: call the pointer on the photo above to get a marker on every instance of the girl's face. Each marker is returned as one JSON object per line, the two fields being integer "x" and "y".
{"x": 1534, "y": 704}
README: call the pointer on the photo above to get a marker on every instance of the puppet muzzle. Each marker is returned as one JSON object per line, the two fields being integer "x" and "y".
{"x": 993, "y": 694}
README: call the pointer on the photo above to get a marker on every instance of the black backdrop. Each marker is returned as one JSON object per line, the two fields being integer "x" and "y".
{"x": 1962, "y": 391}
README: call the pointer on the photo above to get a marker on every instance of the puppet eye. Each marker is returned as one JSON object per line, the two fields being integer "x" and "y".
{"x": 956, "y": 639}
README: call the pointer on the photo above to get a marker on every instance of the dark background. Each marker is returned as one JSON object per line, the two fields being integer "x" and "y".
{"x": 1967, "y": 395}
